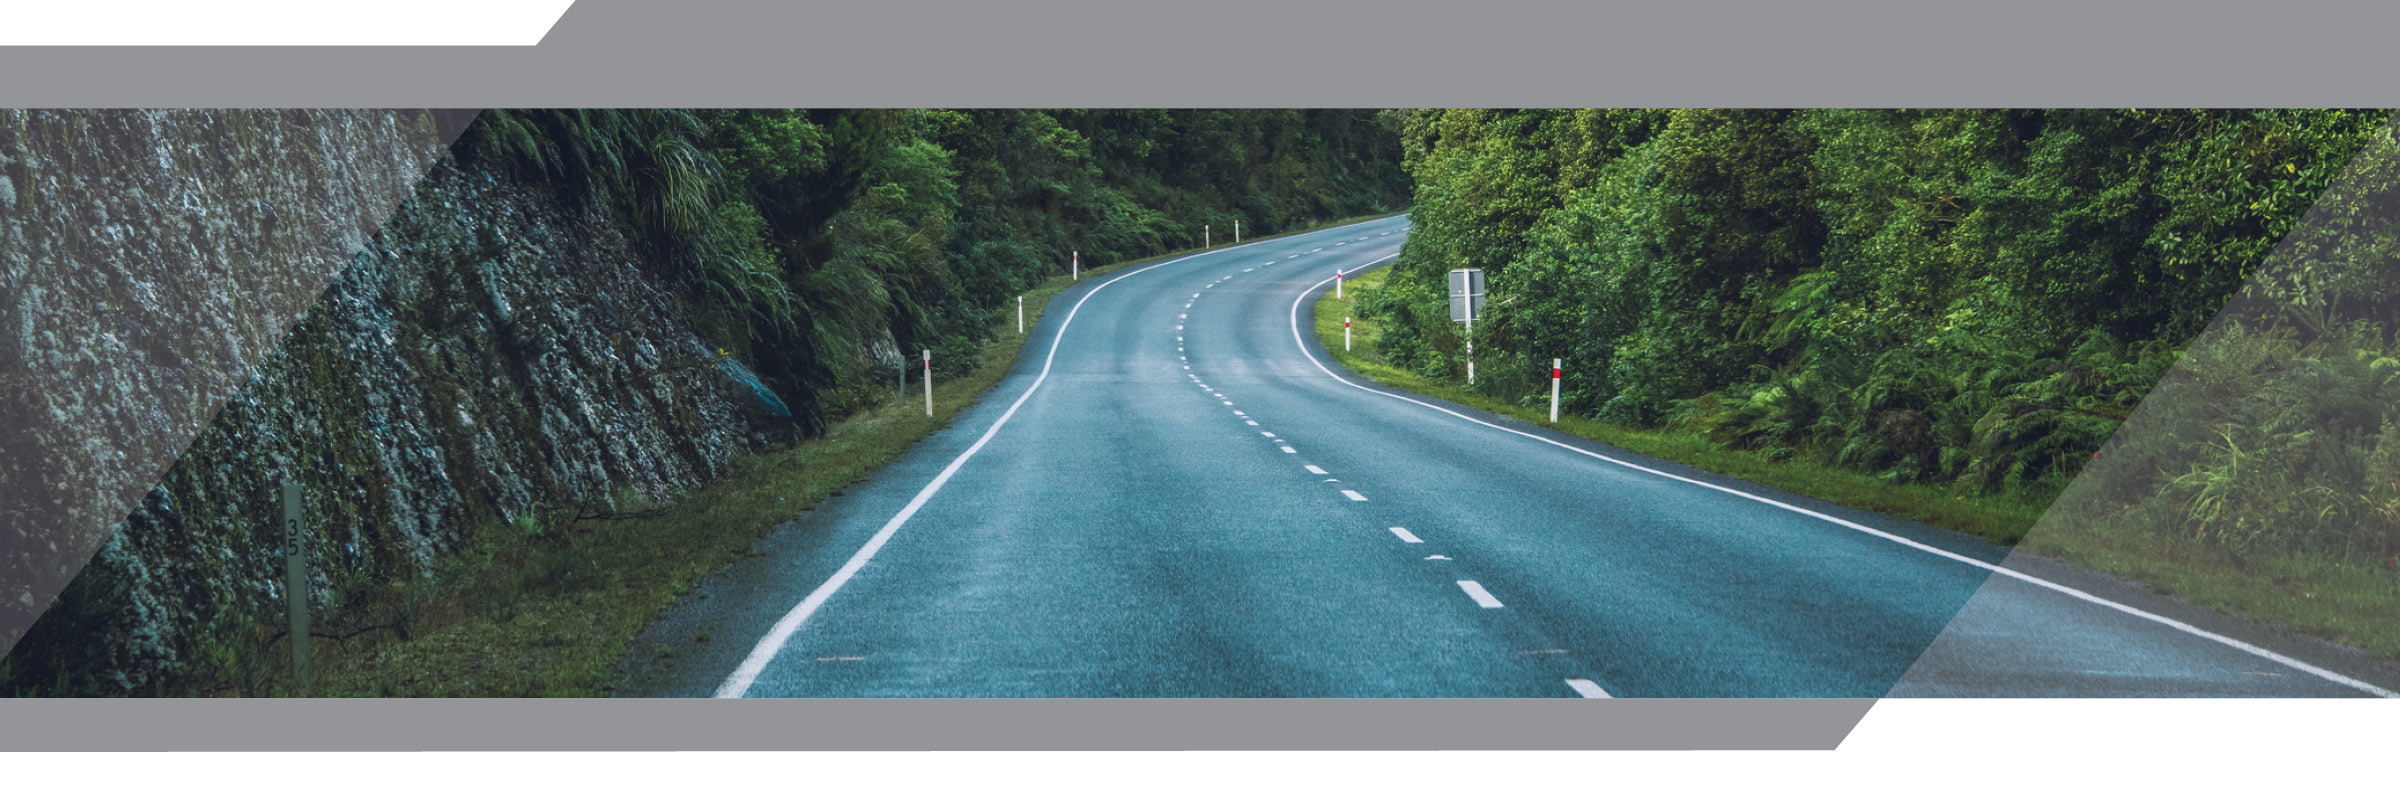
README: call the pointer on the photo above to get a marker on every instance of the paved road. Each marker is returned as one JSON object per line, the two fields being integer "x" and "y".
{"x": 1185, "y": 499}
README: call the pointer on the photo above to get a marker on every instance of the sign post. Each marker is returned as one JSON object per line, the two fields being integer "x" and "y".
{"x": 295, "y": 580}
{"x": 1466, "y": 303}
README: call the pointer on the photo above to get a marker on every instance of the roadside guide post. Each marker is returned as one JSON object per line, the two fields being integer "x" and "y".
{"x": 1554, "y": 364}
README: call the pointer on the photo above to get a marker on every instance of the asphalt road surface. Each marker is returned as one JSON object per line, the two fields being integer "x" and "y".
{"x": 1177, "y": 494}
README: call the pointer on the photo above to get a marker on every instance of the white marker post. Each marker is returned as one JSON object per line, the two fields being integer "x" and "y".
{"x": 1075, "y": 262}
{"x": 1554, "y": 363}
{"x": 1337, "y": 284}
{"x": 1204, "y": 245}
{"x": 1020, "y": 313}
{"x": 1237, "y": 231}
{"x": 1345, "y": 334}
{"x": 928, "y": 383}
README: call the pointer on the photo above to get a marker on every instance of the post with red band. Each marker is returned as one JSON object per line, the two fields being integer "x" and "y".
{"x": 1345, "y": 334}
{"x": 1337, "y": 284}
{"x": 1554, "y": 365}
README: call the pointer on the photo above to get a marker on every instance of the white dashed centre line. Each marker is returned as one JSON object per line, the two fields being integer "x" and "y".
{"x": 1405, "y": 536}
{"x": 1229, "y": 402}
{"x": 1587, "y": 688}
{"x": 1482, "y": 598}
{"x": 1354, "y": 495}
{"x": 1288, "y": 449}
{"x": 1312, "y": 468}
{"x": 1251, "y": 421}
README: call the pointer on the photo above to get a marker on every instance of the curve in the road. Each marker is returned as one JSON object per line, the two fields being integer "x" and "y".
{"x": 738, "y": 683}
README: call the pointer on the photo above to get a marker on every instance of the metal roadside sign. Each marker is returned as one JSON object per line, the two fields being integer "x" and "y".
{"x": 1466, "y": 294}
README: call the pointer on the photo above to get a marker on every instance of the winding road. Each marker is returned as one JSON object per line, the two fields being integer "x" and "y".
{"x": 1176, "y": 493}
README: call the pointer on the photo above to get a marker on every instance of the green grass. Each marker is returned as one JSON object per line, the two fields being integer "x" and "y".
{"x": 1998, "y": 519}
{"x": 2355, "y": 603}
{"x": 547, "y": 607}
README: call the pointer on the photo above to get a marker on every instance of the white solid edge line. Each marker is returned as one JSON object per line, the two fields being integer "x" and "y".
{"x": 1482, "y": 598}
{"x": 1405, "y": 536}
{"x": 1585, "y": 687}
{"x": 761, "y": 654}
{"x": 1996, "y": 569}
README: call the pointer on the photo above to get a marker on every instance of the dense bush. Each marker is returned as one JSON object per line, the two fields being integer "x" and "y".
{"x": 1967, "y": 298}
{"x": 822, "y": 246}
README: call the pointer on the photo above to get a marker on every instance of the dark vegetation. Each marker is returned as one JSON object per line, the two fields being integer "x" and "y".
{"x": 821, "y": 246}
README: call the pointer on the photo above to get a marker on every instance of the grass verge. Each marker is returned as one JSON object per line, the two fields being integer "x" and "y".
{"x": 2002, "y": 520}
{"x": 545, "y": 608}
{"x": 2356, "y": 603}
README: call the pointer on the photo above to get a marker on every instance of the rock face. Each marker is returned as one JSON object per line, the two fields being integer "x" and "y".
{"x": 493, "y": 350}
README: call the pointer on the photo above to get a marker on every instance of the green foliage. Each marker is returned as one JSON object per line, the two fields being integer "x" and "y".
{"x": 824, "y": 246}
{"x": 1971, "y": 299}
